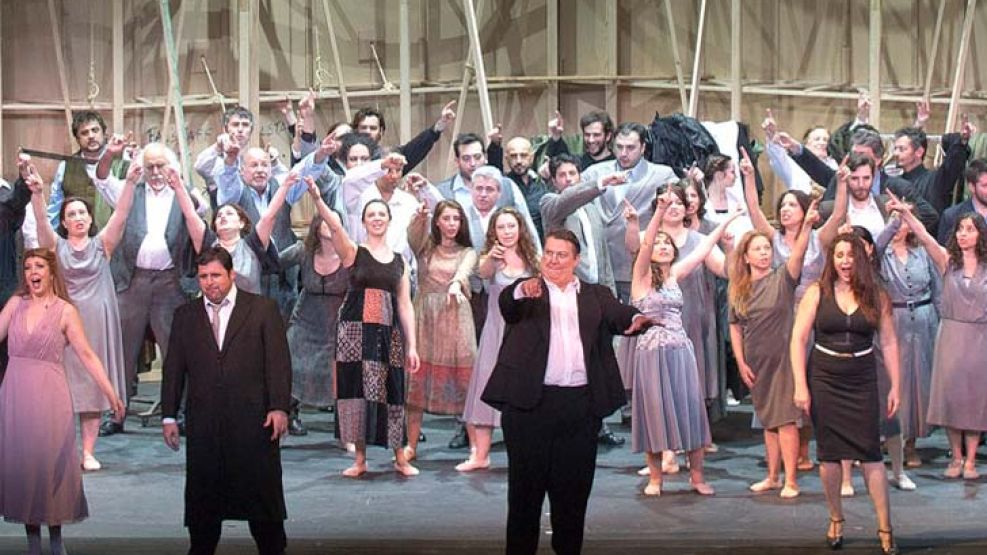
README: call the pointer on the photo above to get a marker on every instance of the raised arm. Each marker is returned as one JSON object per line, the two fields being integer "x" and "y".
{"x": 829, "y": 230}
{"x": 817, "y": 170}
{"x": 641, "y": 272}
{"x": 632, "y": 229}
{"x": 801, "y": 331}
{"x": 797, "y": 257}
{"x": 266, "y": 222}
{"x": 345, "y": 247}
{"x": 418, "y": 231}
{"x": 937, "y": 252}
{"x": 115, "y": 146}
{"x": 750, "y": 196}
{"x": 686, "y": 265}
{"x": 196, "y": 227}
{"x": 113, "y": 232}
{"x": 555, "y": 208}
{"x": 31, "y": 177}
{"x": 950, "y": 173}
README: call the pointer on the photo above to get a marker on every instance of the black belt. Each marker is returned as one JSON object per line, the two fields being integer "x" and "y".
{"x": 912, "y": 305}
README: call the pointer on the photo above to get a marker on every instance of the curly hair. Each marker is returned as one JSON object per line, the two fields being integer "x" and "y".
{"x": 525, "y": 244}
{"x": 740, "y": 285}
{"x": 864, "y": 284}
{"x": 980, "y": 249}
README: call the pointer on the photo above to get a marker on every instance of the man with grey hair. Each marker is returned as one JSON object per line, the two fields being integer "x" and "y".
{"x": 149, "y": 261}
{"x": 866, "y": 141}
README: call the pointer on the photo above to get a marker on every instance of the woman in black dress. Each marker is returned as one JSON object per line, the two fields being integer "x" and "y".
{"x": 846, "y": 307}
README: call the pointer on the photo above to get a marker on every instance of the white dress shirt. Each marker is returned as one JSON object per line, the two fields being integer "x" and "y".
{"x": 226, "y": 309}
{"x": 869, "y": 217}
{"x": 566, "y": 366}
{"x": 153, "y": 253}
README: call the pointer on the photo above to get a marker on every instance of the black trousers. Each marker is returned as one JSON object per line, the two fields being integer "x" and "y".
{"x": 268, "y": 535}
{"x": 550, "y": 449}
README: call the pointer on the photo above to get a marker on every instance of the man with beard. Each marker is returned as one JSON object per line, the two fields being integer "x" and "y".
{"x": 597, "y": 130}
{"x": 936, "y": 185}
{"x": 976, "y": 179}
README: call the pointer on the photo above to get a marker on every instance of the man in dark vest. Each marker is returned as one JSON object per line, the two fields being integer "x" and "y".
{"x": 230, "y": 350}
{"x": 148, "y": 263}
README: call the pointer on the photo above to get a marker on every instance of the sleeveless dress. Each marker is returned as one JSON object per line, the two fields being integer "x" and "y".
{"x": 844, "y": 399}
{"x": 767, "y": 331}
{"x": 90, "y": 286}
{"x": 370, "y": 355}
{"x": 668, "y": 411}
{"x": 916, "y": 281}
{"x": 40, "y": 477}
{"x": 959, "y": 372}
{"x": 312, "y": 328}
{"x": 477, "y": 412}
{"x": 446, "y": 338}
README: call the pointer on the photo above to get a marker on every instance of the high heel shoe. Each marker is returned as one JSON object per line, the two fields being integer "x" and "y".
{"x": 892, "y": 547}
{"x": 835, "y": 541}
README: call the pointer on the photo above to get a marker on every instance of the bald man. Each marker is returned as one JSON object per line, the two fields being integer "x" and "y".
{"x": 248, "y": 181}
{"x": 519, "y": 157}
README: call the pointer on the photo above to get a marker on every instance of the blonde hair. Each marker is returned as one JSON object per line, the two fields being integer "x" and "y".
{"x": 739, "y": 289}
{"x": 57, "y": 283}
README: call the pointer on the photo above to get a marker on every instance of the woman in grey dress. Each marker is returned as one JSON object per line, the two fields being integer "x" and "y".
{"x": 232, "y": 229}
{"x": 312, "y": 326}
{"x": 84, "y": 257}
{"x": 914, "y": 285}
{"x": 760, "y": 325}
{"x": 958, "y": 399}
{"x": 667, "y": 405}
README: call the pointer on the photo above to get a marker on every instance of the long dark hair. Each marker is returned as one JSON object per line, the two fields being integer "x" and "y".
{"x": 62, "y": 230}
{"x": 803, "y": 200}
{"x": 953, "y": 248}
{"x": 657, "y": 276}
{"x": 866, "y": 288}
{"x": 462, "y": 235}
{"x": 700, "y": 192}
{"x": 240, "y": 212}
{"x": 678, "y": 190}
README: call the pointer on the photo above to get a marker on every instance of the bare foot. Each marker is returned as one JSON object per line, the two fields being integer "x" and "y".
{"x": 765, "y": 485}
{"x": 410, "y": 453}
{"x": 789, "y": 492}
{"x": 472, "y": 464}
{"x": 702, "y": 488}
{"x": 406, "y": 469}
{"x": 355, "y": 471}
{"x": 653, "y": 489}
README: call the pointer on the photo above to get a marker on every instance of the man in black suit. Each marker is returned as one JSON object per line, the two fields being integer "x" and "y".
{"x": 554, "y": 392}
{"x": 231, "y": 350}
{"x": 976, "y": 178}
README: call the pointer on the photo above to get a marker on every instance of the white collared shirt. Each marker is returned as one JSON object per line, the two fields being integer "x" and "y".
{"x": 869, "y": 217}
{"x": 153, "y": 253}
{"x": 566, "y": 366}
{"x": 226, "y": 309}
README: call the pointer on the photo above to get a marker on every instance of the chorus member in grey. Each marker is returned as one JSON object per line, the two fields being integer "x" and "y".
{"x": 958, "y": 400}
{"x": 148, "y": 262}
{"x": 84, "y": 259}
{"x": 761, "y": 321}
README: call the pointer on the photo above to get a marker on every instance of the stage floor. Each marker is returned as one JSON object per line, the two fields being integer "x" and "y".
{"x": 136, "y": 502}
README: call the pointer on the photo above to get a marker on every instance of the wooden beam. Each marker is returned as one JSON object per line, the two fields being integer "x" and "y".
{"x": 874, "y": 65}
{"x": 336, "y": 61}
{"x": 56, "y": 37}
{"x": 935, "y": 49}
{"x": 118, "y": 69}
{"x": 464, "y": 88}
{"x": 961, "y": 57}
{"x": 166, "y": 124}
{"x": 405, "y": 68}
{"x": 473, "y": 29}
{"x": 674, "y": 43}
{"x": 694, "y": 94}
{"x": 172, "y": 52}
{"x": 610, "y": 60}
{"x": 735, "y": 63}
{"x": 552, "y": 53}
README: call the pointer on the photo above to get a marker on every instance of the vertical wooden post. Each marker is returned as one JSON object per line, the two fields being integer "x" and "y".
{"x": 735, "y": 69}
{"x": 172, "y": 52}
{"x": 694, "y": 93}
{"x": 874, "y": 67}
{"x": 611, "y": 52}
{"x": 674, "y": 43}
{"x": 935, "y": 50}
{"x": 961, "y": 56}
{"x": 552, "y": 54}
{"x": 335, "y": 60}
{"x": 405, "y": 63}
{"x": 170, "y": 101}
{"x": 56, "y": 36}
{"x": 118, "y": 113}
{"x": 481, "y": 74}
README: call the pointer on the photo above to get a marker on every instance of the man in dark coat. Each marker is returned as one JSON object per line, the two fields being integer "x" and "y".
{"x": 554, "y": 392}
{"x": 230, "y": 349}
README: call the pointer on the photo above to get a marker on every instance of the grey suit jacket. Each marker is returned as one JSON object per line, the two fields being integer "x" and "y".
{"x": 640, "y": 189}
{"x": 559, "y": 210}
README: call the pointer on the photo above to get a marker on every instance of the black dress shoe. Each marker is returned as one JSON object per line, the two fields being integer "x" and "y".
{"x": 609, "y": 439}
{"x": 296, "y": 428}
{"x": 461, "y": 440}
{"x": 421, "y": 437}
{"x": 110, "y": 427}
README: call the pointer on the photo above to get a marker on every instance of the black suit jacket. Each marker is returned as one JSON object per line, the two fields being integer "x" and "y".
{"x": 233, "y": 469}
{"x": 517, "y": 378}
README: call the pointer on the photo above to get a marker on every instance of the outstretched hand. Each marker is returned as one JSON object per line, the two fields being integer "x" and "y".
{"x": 639, "y": 324}
{"x": 531, "y": 287}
